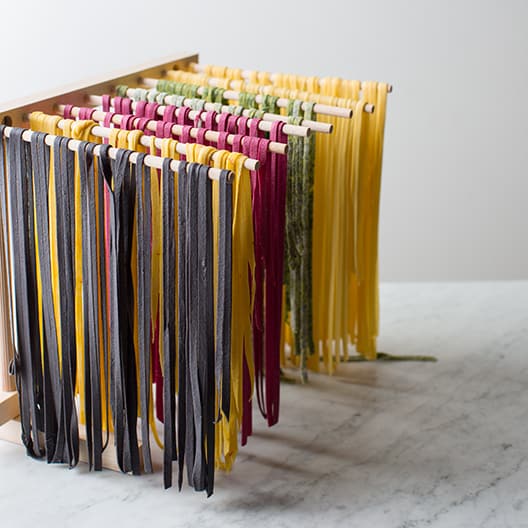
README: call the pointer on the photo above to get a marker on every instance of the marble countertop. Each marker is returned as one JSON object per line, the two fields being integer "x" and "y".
{"x": 399, "y": 444}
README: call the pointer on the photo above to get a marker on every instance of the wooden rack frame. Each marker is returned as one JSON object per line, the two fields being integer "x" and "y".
{"x": 15, "y": 113}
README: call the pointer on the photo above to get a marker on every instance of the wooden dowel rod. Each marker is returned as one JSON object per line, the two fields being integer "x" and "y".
{"x": 303, "y": 129}
{"x": 246, "y": 74}
{"x": 265, "y": 126}
{"x": 250, "y": 164}
{"x": 98, "y": 115}
{"x": 335, "y": 111}
{"x": 282, "y": 102}
{"x": 155, "y": 162}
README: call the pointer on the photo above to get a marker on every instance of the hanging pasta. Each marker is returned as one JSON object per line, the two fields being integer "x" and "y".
{"x": 165, "y": 251}
{"x": 298, "y": 248}
{"x": 359, "y": 311}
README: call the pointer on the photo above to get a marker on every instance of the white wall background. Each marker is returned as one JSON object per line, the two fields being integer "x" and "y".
{"x": 455, "y": 183}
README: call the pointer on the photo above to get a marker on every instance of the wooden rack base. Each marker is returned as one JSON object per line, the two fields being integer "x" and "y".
{"x": 8, "y": 407}
{"x": 10, "y": 432}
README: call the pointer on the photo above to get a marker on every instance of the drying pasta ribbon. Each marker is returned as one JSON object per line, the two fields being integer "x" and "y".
{"x": 93, "y": 410}
{"x": 196, "y": 324}
{"x": 50, "y": 361}
{"x": 64, "y": 160}
{"x": 27, "y": 346}
{"x": 242, "y": 290}
{"x": 123, "y": 369}
{"x": 345, "y": 282}
{"x": 299, "y": 215}
{"x": 143, "y": 281}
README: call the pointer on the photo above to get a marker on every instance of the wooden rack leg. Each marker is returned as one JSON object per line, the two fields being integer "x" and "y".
{"x": 10, "y": 432}
{"x": 7, "y": 382}
{"x": 8, "y": 407}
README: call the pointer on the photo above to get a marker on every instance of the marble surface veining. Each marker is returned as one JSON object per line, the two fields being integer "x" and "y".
{"x": 399, "y": 445}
